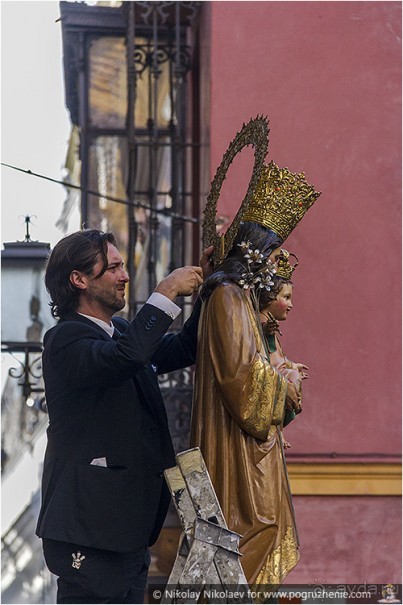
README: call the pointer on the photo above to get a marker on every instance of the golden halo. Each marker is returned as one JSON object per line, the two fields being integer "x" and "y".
{"x": 254, "y": 133}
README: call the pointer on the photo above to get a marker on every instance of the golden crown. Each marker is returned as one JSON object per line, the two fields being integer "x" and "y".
{"x": 280, "y": 200}
{"x": 284, "y": 268}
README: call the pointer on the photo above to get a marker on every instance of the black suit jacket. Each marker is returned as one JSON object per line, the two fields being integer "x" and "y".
{"x": 104, "y": 402}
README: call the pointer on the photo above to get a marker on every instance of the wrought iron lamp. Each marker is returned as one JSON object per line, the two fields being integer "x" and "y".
{"x": 25, "y": 311}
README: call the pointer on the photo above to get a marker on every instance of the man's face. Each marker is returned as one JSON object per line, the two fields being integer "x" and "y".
{"x": 280, "y": 307}
{"x": 108, "y": 291}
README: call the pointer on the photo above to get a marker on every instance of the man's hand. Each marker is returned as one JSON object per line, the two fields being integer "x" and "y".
{"x": 181, "y": 282}
{"x": 293, "y": 399}
{"x": 205, "y": 264}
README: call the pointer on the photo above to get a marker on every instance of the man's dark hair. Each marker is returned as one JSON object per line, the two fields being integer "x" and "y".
{"x": 234, "y": 265}
{"x": 79, "y": 251}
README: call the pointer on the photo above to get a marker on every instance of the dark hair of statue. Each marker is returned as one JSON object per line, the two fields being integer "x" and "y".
{"x": 267, "y": 296}
{"x": 79, "y": 251}
{"x": 232, "y": 267}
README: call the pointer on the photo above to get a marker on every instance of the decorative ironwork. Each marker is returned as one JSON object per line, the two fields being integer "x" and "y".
{"x": 166, "y": 49}
{"x": 162, "y": 12}
{"x": 154, "y": 10}
{"x": 28, "y": 369}
{"x": 177, "y": 392}
{"x": 22, "y": 269}
{"x": 148, "y": 57}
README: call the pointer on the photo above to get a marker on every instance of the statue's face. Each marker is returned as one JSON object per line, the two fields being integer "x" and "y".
{"x": 282, "y": 305}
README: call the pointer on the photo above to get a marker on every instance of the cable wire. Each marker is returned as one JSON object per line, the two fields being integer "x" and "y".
{"x": 111, "y": 198}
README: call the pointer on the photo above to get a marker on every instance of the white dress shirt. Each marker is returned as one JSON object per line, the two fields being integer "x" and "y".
{"x": 156, "y": 299}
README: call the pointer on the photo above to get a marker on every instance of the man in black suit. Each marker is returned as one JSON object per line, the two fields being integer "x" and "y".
{"x": 104, "y": 498}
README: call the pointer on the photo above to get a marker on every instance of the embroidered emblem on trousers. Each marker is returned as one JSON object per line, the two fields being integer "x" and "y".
{"x": 77, "y": 559}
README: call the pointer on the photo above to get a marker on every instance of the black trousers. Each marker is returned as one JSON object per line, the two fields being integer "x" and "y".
{"x": 91, "y": 575}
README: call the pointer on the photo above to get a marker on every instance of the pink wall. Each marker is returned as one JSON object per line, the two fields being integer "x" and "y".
{"x": 328, "y": 76}
{"x": 348, "y": 540}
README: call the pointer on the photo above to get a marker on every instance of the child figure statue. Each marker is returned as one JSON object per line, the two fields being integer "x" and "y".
{"x": 274, "y": 306}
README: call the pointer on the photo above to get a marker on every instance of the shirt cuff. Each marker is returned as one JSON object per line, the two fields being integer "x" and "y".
{"x": 162, "y": 302}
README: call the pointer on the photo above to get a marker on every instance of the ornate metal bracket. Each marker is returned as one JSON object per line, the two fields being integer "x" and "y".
{"x": 29, "y": 370}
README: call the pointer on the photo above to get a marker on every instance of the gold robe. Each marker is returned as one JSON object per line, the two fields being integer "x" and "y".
{"x": 238, "y": 410}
